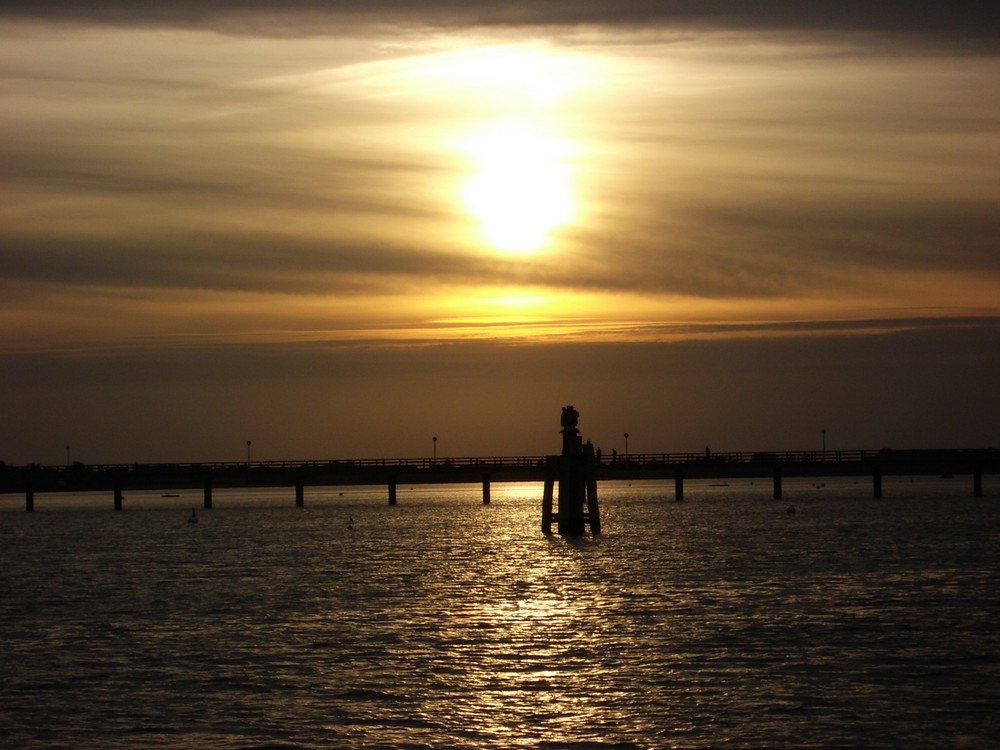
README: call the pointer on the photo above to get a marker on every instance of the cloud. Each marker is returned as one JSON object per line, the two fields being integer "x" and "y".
{"x": 961, "y": 22}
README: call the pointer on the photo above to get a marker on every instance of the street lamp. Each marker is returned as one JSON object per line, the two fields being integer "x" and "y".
{"x": 626, "y": 445}
{"x": 248, "y": 452}
{"x": 434, "y": 440}
{"x": 823, "y": 433}
{"x": 67, "y": 455}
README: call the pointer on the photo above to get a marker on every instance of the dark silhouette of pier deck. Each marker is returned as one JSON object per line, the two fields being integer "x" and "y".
{"x": 389, "y": 472}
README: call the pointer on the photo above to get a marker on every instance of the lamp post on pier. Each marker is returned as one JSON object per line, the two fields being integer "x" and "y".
{"x": 626, "y": 446}
{"x": 823, "y": 433}
{"x": 67, "y": 455}
{"x": 248, "y": 454}
{"x": 434, "y": 441}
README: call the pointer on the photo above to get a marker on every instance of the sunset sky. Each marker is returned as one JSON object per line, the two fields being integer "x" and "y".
{"x": 337, "y": 229}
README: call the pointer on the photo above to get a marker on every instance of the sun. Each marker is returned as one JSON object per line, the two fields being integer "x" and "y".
{"x": 520, "y": 189}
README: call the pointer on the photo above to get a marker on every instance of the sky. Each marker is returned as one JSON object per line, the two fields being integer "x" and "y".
{"x": 342, "y": 229}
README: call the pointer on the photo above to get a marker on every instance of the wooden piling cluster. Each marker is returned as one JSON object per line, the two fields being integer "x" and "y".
{"x": 575, "y": 471}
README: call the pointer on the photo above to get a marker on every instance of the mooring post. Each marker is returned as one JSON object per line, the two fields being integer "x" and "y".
{"x": 548, "y": 493}
{"x": 300, "y": 492}
{"x": 118, "y": 494}
{"x": 679, "y": 484}
{"x": 777, "y": 481}
{"x": 575, "y": 467}
{"x": 392, "y": 490}
{"x": 486, "y": 489}
{"x": 977, "y": 482}
{"x": 590, "y": 482}
{"x": 29, "y": 499}
{"x": 570, "y": 501}
{"x": 877, "y": 481}
{"x": 208, "y": 493}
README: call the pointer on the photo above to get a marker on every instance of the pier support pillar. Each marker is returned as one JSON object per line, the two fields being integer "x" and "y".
{"x": 208, "y": 493}
{"x": 118, "y": 495}
{"x": 486, "y": 489}
{"x": 29, "y": 499}
{"x": 392, "y": 490}
{"x": 777, "y": 482}
{"x": 877, "y": 481}
{"x": 679, "y": 484}
{"x": 977, "y": 482}
{"x": 300, "y": 492}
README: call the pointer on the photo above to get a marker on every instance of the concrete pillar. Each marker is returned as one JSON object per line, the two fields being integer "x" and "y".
{"x": 118, "y": 495}
{"x": 679, "y": 484}
{"x": 392, "y": 490}
{"x": 977, "y": 482}
{"x": 877, "y": 481}
{"x": 486, "y": 489}
{"x": 300, "y": 493}
{"x": 777, "y": 482}
{"x": 29, "y": 499}
{"x": 208, "y": 493}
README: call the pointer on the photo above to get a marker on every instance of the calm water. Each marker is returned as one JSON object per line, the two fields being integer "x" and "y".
{"x": 722, "y": 621}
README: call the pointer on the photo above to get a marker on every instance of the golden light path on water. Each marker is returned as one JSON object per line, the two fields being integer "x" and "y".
{"x": 445, "y": 622}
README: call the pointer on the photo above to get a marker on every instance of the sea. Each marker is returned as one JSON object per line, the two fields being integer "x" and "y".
{"x": 828, "y": 619}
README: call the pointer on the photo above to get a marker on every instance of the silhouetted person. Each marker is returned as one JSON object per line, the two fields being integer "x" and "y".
{"x": 193, "y": 518}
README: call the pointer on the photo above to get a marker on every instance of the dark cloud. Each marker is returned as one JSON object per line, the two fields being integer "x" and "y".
{"x": 973, "y": 22}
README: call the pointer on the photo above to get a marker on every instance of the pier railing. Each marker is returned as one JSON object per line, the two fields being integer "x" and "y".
{"x": 471, "y": 468}
{"x": 623, "y": 459}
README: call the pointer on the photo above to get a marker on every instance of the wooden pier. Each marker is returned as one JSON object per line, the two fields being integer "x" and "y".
{"x": 485, "y": 471}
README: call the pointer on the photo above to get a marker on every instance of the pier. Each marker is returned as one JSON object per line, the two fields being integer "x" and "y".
{"x": 486, "y": 470}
